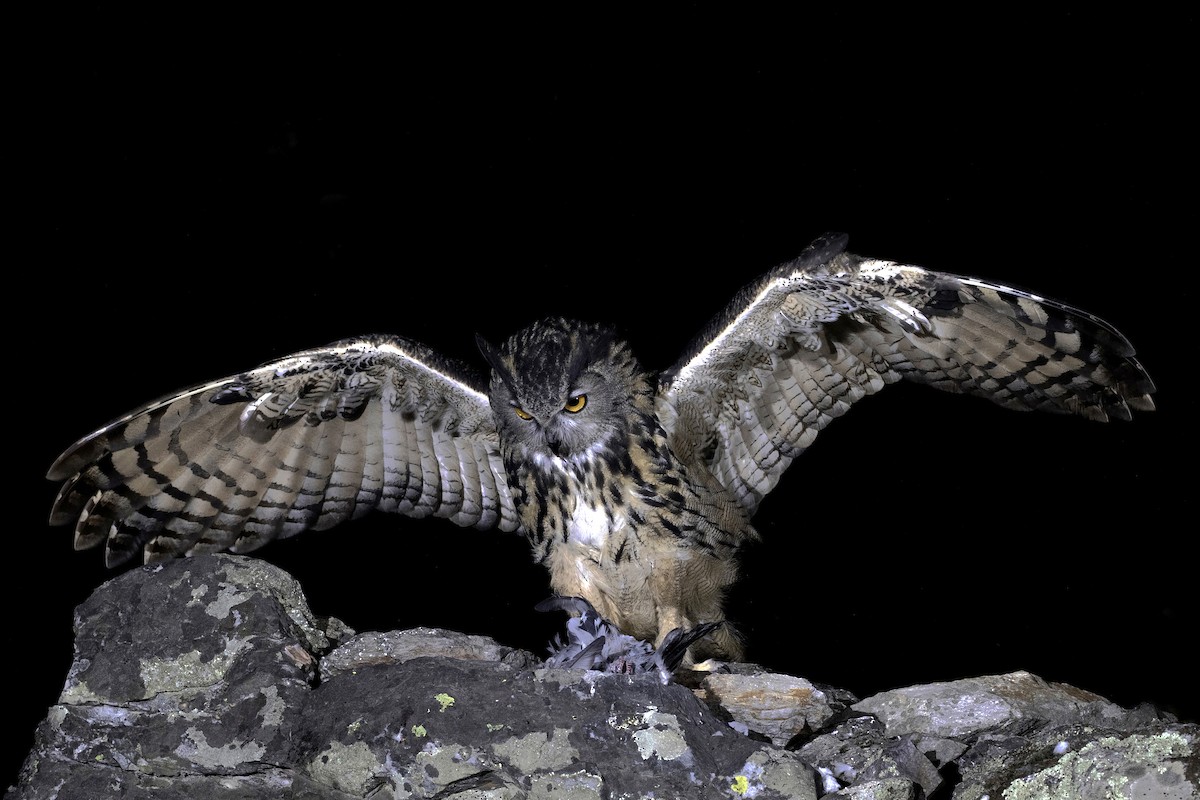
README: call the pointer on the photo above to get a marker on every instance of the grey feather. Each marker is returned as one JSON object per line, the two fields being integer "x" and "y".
{"x": 593, "y": 642}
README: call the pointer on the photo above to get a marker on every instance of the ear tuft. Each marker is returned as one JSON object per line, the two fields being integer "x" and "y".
{"x": 490, "y": 354}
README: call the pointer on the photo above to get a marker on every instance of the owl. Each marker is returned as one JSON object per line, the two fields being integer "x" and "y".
{"x": 635, "y": 489}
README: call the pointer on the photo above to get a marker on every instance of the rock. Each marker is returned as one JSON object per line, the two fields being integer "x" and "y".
{"x": 779, "y": 707}
{"x": 1160, "y": 760}
{"x": 884, "y": 789}
{"x": 396, "y": 647}
{"x": 240, "y": 692}
{"x": 1030, "y": 738}
{"x": 857, "y": 752}
{"x": 953, "y": 709}
{"x": 438, "y": 724}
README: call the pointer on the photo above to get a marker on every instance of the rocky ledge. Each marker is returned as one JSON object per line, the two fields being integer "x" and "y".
{"x": 240, "y": 692}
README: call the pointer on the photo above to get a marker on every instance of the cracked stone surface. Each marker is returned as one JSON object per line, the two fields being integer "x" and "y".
{"x": 241, "y": 692}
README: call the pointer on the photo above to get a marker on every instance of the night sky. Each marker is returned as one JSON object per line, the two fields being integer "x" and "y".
{"x": 201, "y": 204}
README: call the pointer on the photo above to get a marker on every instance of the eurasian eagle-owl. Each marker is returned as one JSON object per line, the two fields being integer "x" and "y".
{"x": 635, "y": 489}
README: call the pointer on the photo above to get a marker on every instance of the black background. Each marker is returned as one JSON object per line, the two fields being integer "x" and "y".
{"x": 213, "y": 192}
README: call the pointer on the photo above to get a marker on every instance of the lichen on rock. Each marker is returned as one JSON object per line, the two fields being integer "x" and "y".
{"x": 242, "y": 692}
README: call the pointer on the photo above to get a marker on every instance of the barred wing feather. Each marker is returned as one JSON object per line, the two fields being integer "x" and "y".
{"x": 796, "y": 348}
{"x": 302, "y": 443}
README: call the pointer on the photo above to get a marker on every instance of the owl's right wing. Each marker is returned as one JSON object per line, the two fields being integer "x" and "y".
{"x": 302, "y": 443}
{"x": 798, "y": 346}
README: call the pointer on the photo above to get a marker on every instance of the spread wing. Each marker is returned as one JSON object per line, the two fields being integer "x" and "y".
{"x": 304, "y": 442}
{"x": 797, "y": 347}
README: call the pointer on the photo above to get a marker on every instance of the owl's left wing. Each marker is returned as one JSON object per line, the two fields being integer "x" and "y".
{"x": 798, "y": 346}
{"x": 301, "y": 443}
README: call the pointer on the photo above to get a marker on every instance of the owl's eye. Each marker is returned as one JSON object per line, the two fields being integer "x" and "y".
{"x": 575, "y": 403}
{"x": 522, "y": 413}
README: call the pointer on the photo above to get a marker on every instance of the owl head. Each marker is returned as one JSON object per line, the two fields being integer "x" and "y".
{"x": 562, "y": 388}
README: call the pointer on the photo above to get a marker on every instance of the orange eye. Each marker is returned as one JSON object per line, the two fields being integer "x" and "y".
{"x": 522, "y": 413}
{"x": 576, "y": 403}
